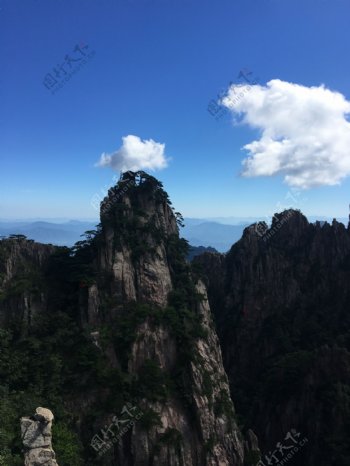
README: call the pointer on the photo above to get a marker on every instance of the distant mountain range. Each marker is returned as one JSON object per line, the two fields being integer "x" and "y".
{"x": 219, "y": 233}
{"x": 61, "y": 234}
{"x": 199, "y": 232}
{"x": 212, "y": 234}
{"x": 195, "y": 251}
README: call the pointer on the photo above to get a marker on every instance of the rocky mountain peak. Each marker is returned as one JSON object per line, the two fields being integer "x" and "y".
{"x": 138, "y": 229}
{"x": 139, "y": 194}
{"x": 281, "y": 300}
{"x": 126, "y": 326}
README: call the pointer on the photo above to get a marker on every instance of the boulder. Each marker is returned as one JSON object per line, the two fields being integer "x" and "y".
{"x": 37, "y": 438}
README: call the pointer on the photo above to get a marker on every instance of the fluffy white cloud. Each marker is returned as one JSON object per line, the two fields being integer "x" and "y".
{"x": 305, "y": 136}
{"x": 135, "y": 154}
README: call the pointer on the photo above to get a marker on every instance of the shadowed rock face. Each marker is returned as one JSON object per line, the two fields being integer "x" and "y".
{"x": 18, "y": 259}
{"x": 36, "y": 438}
{"x": 281, "y": 298}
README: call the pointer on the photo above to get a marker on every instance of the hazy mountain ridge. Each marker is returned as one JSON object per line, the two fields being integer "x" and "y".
{"x": 198, "y": 232}
{"x": 60, "y": 234}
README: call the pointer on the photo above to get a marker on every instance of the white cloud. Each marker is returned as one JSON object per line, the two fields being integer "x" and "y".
{"x": 305, "y": 136}
{"x": 135, "y": 154}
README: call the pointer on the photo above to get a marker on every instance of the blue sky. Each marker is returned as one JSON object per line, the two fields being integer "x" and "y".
{"x": 157, "y": 64}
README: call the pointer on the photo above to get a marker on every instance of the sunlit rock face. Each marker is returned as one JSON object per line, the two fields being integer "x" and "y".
{"x": 138, "y": 255}
{"x": 137, "y": 222}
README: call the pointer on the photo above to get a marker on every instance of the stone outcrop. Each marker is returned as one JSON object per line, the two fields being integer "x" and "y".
{"x": 135, "y": 230}
{"x": 22, "y": 262}
{"x": 281, "y": 300}
{"x": 138, "y": 230}
{"x": 37, "y": 438}
{"x": 208, "y": 431}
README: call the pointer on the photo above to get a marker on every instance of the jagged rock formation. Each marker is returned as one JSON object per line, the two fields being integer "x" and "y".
{"x": 134, "y": 231}
{"x": 281, "y": 299}
{"x": 22, "y": 262}
{"x": 36, "y": 438}
{"x": 122, "y": 325}
{"x": 140, "y": 254}
{"x": 125, "y": 326}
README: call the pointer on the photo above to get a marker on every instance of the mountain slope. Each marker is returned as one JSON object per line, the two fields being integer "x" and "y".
{"x": 281, "y": 301}
{"x": 123, "y": 326}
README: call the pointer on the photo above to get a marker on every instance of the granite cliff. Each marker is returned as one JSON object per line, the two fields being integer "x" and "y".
{"x": 281, "y": 300}
{"x": 116, "y": 336}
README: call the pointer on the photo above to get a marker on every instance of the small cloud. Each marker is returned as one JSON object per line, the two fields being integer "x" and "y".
{"x": 305, "y": 135}
{"x": 135, "y": 154}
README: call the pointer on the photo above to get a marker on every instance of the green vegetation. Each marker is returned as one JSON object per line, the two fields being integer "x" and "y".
{"x": 149, "y": 419}
{"x": 38, "y": 370}
{"x": 171, "y": 437}
{"x": 335, "y": 397}
{"x": 286, "y": 376}
{"x": 66, "y": 445}
{"x": 223, "y": 405}
{"x": 252, "y": 458}
{"x": 207, "y": 385}
{"x": 209, "y": 445}
{"x": 51, "y": 360}
{"x": 152, "y": 383}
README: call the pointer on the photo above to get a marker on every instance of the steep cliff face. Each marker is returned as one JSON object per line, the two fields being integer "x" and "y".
{"x": 136, "y": 226}
{"x": 281, "y": 298}
{"x": 198, "y": 411}
{"x": 140, "y": 259}
{"x": 124, "y": 349}
{"x": 22, "y": 263}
